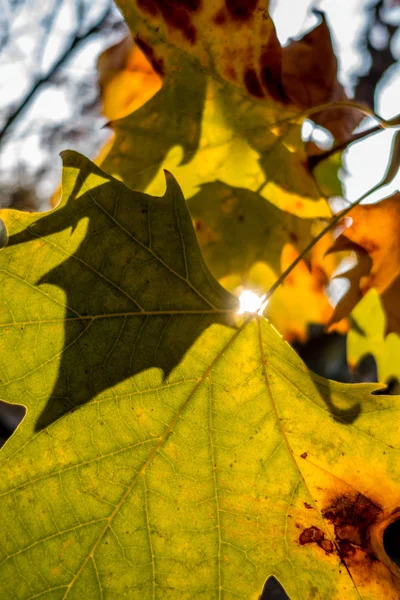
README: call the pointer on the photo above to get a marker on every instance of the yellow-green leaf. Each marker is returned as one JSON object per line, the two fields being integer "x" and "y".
{"x": 368, "y": 336}
{"x": 248, "y": 243}
{"x": 196, "y": 455}
{"x": 236, "y": 228}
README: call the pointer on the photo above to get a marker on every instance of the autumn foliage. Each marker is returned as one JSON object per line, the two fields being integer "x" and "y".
{"x": 174, "y": 444}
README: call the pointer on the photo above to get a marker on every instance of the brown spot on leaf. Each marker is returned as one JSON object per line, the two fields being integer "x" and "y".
{"x": 294, "y": 237}
{"x": 346, "y": 549}
{"x": 192, "y": 5}
{"x": 314, "y": 534}
{"x": 149, "y": 6}
{"x": 273, "y": 85}
{"x": 253, "y": 84}
{"x": 176, "y": 13}
{"x": 307, "y": 505}
{"x": 271, "y": 70}
{"x": 241, "y": 10}
{"x": 230, "y": 73}
{"x": 353, "y": 516}
{"x": 220, "y": 17}
{"x": 156, "y": 63}
{"x": 304, "y": 455}
{"x": 327, "y": 546}
{"x": 311, "y": 534}
{"x": 369, "y": 245}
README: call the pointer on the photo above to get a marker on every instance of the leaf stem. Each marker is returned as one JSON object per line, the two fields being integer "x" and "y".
{"x": 315, "y": 159}
{"x": 391, "y": 171}
{"x": 369, "y": 112}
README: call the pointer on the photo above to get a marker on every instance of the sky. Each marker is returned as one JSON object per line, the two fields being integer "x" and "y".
{"x": 29, "y": 55}
{"x": 25, "y": 58}
{"x": 365, "y": 161}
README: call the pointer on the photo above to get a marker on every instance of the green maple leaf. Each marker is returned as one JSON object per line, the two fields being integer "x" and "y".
{"x": 196, "y": 454}
{"x": 107, "y": 257}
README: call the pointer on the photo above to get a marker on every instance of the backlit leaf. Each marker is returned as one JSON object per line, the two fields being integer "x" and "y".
{"x": 368, "y": 336}
{"x": 373, "y": 236}
{"x": 236, "y": 228}
{"x": 309, "y": 73}
{"x": 196, "y": 455}
{"x": 247, "y": 243}
{"x": 127, "y": 79}
{"x": 229, "y": 90}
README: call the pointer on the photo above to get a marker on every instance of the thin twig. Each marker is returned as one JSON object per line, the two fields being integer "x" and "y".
{"x": 312, "y": 110}
{"x": 315, "y": 159}
{"x": 391, "y": 171}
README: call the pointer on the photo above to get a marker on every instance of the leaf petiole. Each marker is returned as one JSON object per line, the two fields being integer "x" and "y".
{"x": 387, "y": 178}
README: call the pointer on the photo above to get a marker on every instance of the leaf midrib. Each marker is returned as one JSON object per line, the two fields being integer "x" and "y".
{"x": 154, "y": 452}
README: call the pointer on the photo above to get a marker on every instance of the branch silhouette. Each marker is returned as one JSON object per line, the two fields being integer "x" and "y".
{"x": 76, "y": 41}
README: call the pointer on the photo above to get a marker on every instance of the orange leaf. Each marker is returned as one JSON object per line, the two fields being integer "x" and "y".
{"x": 127, "y": 78}
{"x": 310, "y": 78}
{"x": 237, "y": 40}
{"x": 302, "y": 298}
{"x": 374, "y": 237}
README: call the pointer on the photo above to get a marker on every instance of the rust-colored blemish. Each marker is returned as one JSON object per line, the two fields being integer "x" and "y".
{"x": 253, "y": 84}
{"x": 205, "y": 234}
{"x": 369, "y": 245}
{"x": 304, "y": 455}
{"x": 320, "y": 279}
{"x": 327, "y": 546}
{"x": 149, "y": 6}
{"x": 271, "y": 70}
{"x": 315, "y": 535}
{"x": 230, "y": 73}
{"x": 352, "y": 516}
{"x": 264, "y": 13}
{"x": 346, "y": 549}
{"x": 156, "y": 63}
{"x": 307, "y": 505}
{"x": 220, "y": 17}
{"x": 294, "y": 237}
{"x": 177, "y": 14}
{"x": 241, "y": 10}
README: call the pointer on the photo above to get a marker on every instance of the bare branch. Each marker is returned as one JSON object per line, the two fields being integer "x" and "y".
{"x": 315, "y": 159}
{"x": 61, "y": 60}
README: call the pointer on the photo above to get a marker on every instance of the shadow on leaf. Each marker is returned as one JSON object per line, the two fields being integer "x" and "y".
{"x": 131, "y": 286}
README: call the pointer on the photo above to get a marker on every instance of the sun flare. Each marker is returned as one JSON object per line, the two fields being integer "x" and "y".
{"x": 250, "y": 302}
